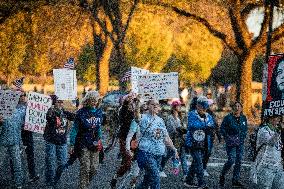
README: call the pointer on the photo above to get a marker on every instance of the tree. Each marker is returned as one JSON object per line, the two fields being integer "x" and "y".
{"x": 233, "y": 31}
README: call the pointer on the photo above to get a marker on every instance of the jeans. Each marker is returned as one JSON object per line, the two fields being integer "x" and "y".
{"x": 151, "y": 176}
{"x": 89, "y": 162}
{"x": 170, "y": 153}
{"x": 27, "y": 138}
{"x": 196, "y": 168}
{"x": 207, "y": 154}
{"x": 235, "y": 155}
{"x": 16, "y": 164}
{"x": 52, "y": 153}
{"x": 183, "y": 159}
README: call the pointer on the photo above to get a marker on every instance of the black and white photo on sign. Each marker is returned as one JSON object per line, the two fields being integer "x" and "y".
{"x": 65, "y": 84}
{"x": 135, "y": 73}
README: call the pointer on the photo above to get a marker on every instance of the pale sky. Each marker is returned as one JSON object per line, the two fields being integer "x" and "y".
{"x": 256, "y": 17}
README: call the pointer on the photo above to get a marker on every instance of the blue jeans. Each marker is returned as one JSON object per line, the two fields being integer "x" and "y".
{"x": 151, "y": 176}
{"x": 183, "y": 160}
{"x": 16, "y": 164}
{"x": 52, "y": 153}
{"x": 196, "y": 168}
{"x": 235, "y": 155}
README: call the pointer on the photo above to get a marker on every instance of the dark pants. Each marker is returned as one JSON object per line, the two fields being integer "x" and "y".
{"x": 207, "y": 154}
{"x": 126, "y": 159}
{"x": 151, "y": 177}
{"x": 235, "y": 155}
{"x": 27, "y": 138}
{"x": 196, "y": 168}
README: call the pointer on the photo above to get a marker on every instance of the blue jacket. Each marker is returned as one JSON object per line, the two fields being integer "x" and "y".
{"x": 196, "y": 122}
{"x": 87, "y": 127}
{"x": 230, "y": 126}
{"x": 11, "y": 128}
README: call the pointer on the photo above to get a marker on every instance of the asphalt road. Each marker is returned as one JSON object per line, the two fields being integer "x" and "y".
{"x": 70, "y": 177}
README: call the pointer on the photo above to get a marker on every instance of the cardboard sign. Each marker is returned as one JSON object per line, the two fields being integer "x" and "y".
{"x": 8, "y": 102}
{"x": 274, "y": 101}
{"x": 135, "y": 73}
{"x": 65, "y": 84}
{"x": 37, "y": 107}
{"x": 158, "y": 86}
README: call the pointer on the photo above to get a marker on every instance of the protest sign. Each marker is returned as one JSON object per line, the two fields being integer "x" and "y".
{"x": 37, "y": 107}
{"x": 8, "y": 102}
{"x": 65, "y": 84}
{"x": 274, "y": 101}
{"x": 135, "y": 72}
{"x": 158, "y": 86}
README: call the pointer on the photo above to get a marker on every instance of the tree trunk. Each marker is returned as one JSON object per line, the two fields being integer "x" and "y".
{"x": 122, "y": 64}
{"x": 246, "y": 79}
{"x": 103, "y": 68}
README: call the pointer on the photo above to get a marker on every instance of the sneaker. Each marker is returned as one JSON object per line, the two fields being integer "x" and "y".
{"x": 33, "y": 179}
{"x": 163, "y": 174}
{"x": 190, "y": 185}
{"x": 237, "y": 184}
{"x": 19, "y": 187}
{"x": 203, "y": 187}
{"x": 206, "y": 174}
{"x": 222, "y": 181}
{"x": 113, "y": 183}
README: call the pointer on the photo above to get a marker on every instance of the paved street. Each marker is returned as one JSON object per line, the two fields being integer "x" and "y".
{"x": 70, "y": 177}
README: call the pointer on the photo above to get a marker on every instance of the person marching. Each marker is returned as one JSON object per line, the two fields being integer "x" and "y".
{"x": 199, "y": 122}
{"x": 126, "y": 115}
{"x": 86, "y": 142}
{"x": 55, "y": 136}
{"x": 234, "y": 130}
{"x": 269, "y": 168}
{"x": 10, "y": 138}
{"x": 152, "y": 145}
{"x": 173, "y": 125}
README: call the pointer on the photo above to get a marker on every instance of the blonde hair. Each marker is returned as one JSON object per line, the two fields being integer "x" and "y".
{"x": 90, "y": 95}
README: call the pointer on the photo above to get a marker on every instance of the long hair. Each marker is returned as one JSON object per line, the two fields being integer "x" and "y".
{"x": 274, "y": 91}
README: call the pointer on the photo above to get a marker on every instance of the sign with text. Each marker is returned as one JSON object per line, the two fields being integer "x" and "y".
{"x": 158, "y": 86}
{"x": 65, "y": 84}
{"x": 37, "y": 107}
{"x": 274, "y": 101}
{"x": 135, "y": 72}
{"x": 8, "y": 102}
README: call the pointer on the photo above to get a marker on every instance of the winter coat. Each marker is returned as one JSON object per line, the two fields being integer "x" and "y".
{"x": 56, "y": 127}
{"x": 195, "y": 122}
{"x": 11, "y": 127}
{"x": 230, "y": 126}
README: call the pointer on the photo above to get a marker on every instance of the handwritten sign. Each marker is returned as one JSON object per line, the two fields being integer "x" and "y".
{"x": 37, "y": 107}
{"x": 158, "y": 86}
{"x": 8, "y": 102}
{"x": 65, "y": 84}
{"x": 135, "y": 73}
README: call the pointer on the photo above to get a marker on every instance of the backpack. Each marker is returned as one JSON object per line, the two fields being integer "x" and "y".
{"x": 252, "y": 149}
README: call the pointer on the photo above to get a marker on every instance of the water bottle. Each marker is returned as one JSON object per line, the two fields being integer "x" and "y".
{"x": 175, "y": 166}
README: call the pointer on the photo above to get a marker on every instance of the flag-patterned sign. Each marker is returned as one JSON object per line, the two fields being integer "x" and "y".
{"x": 19, "y": 83}
{"x": 70, "y": 64}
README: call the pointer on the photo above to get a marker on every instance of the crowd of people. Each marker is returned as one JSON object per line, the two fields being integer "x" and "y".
{"x": 147, "y": 141}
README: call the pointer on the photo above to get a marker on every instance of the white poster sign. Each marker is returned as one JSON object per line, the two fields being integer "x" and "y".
{"x": 65, "y": 84}
{"x": 37, "y": 107}
{"x": 135, "y": 72}
{"x": 8, "y": 102}
{"x": 158, "y": 86}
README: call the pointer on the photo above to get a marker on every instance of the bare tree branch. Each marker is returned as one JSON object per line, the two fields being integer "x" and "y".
{"x": 135, "y": 3}
{"x": 277, "y": 34}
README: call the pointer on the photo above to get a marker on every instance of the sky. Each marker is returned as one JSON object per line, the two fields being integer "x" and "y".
{"x": 256, "y": 17}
